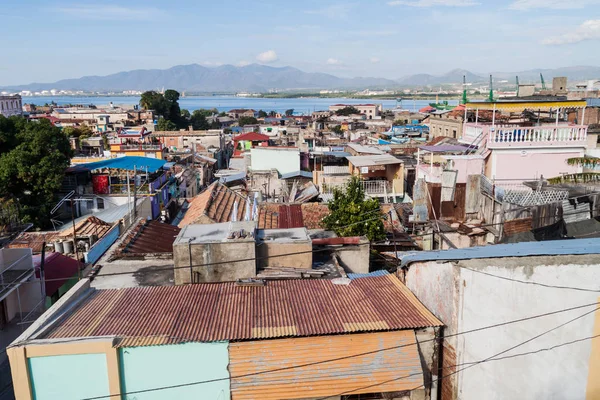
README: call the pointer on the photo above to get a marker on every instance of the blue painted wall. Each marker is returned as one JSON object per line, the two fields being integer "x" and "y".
{"x": 72, "y": 377}
{"x": 156, "y": 366}
{"x": 103, "y": 244}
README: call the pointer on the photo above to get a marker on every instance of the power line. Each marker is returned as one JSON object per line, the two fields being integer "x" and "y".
{"x": 351, "y": 356}
{"x": 530, "y": 282}
{"x": 471, "y": 364}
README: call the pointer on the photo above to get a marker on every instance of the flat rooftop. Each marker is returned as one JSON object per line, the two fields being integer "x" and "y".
{"x": 283, "y": 235}
{"x": 214, "y": 233}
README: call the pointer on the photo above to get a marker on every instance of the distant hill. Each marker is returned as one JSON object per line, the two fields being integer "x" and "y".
{"x": 454, "y": 76}
{"x": 225, "y": 78}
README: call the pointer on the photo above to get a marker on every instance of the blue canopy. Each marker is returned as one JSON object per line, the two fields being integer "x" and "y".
{"x": 127, "y": 162}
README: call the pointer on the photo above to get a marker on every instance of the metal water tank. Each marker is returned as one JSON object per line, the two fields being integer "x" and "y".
{"x": 68, "y": 246}
{"x": 58, "y": 246}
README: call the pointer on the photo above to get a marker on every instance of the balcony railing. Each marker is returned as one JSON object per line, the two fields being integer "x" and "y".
{"x": 146, "y": 188}
{"x": 505, "y": 136}
{"x": 371, "y": 188}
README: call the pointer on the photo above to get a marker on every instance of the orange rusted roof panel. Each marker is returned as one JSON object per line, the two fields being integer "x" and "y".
{"x": 353, "y": 375}
{"x": 226, "y": 311}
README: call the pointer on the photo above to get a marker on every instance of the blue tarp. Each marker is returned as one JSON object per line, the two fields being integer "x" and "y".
{"x": 381, "y": 272}
{"x": 128, "y": 163}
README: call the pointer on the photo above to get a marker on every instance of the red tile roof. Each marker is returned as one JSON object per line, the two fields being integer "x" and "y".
{"x": 87, "y": 227}
{"x": 227, "y": 311}
{"x": 215, "y": 204}
{"x": 252, "y": 136}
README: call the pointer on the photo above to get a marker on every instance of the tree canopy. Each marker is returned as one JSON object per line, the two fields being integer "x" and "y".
{"x": 289, "y": 113}
{"x": 353, "y": 215}
{"x": 247, "y": 121}
{"x": 262, "y": 114}
{"x": 33, "y": 159}
{"x": 349, "y": 110}
{"x": 164, "y": 105}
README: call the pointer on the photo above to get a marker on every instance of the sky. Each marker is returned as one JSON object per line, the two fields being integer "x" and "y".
{"x": 49, "y": 40}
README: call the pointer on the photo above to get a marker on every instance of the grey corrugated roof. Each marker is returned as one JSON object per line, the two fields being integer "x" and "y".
{"x": 364, "y": 161}
{"x": 523, "y": 249}
{"x": 304, "y": 174}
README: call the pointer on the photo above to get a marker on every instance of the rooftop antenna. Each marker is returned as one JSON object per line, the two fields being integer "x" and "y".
{"x": 517, "y": 85}
{"x": 491, "y": 96}
{"x": 464, "y": 95}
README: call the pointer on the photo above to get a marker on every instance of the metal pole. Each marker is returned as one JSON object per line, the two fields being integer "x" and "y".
{"x": 494, "y": 116}
{"x": 75, "y": 238}
{"x": 134, "y": 193}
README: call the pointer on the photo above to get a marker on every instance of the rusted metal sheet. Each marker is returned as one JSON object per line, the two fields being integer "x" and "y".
{"x": 449, "y": 372}
{"x": 420, "y": 201}
{"x": 290, "y": 216}
{"x": 473, "y": 194}
{"x": 153, "y": 237}
{"x": 373, "y": 373}
{"x": 226, "y": 311}
{"x": 435, "y": 193}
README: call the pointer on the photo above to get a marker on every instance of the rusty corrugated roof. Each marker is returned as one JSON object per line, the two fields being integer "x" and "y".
{"x": 226, "y": 311}
{"x": 284, "y": 216}
{"x": 354, "y": 375}
{"x": 33, "y": 241}
{"x": 153, "y": 237}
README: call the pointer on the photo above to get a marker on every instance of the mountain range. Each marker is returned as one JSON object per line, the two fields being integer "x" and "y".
{"x": 262, "y": 78}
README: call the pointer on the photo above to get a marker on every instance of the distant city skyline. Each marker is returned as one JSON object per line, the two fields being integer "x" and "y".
{"x": 45, "y": 41}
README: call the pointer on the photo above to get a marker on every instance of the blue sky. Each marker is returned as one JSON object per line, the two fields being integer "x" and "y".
{"x": 44, "y": 41}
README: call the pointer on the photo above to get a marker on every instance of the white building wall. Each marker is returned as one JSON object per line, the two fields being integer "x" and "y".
{"x": 282, "y": 159}
{"x": 11, "y": 105}
{"x": 466, "y": 300}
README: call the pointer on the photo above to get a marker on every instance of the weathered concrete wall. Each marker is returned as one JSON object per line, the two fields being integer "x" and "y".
{"x": 214, "y": 253}
{"x": 355, "y": 259}
{"x": 303, "y": 260}
{"x": 464, "y": 300}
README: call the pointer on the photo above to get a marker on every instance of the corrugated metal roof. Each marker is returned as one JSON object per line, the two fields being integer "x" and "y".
{"x": 303, "y": 174}
{"x": 270, "y": 215}
{"x": 128, "y": 163}
{"x": 153, "y": 237}
{"x": 381, "y": 272}
{"x": 365, "y": 161}
{"x": 523, "y": 249}
{"x": 227, "y": 311}
{"x": 355, "y": 374}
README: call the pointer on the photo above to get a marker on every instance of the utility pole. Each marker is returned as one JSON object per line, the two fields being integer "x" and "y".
{"x": 134, "y": 194}
{"x": 75, "y": 238}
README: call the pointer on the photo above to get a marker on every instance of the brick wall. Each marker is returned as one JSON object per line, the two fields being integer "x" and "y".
{"x": 517, "y": 226}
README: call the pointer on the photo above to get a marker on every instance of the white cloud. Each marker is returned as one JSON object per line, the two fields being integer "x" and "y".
{"x": 212, "y": 63}
{"x": 434, "y": 3}
{"x": 552, "y": 4}
{"x": 587, "y": 31}
{"x": 243, "y": 63}
{"x": 334, "y": 11}
{"x": 109, "y": 12}
{"x": 374, "y": 60}
{"x": 333, "y": 61}
{"x": 268, "y": 56}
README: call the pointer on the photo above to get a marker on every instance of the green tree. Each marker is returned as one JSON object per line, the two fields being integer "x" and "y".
{"x": 272, "y": 114}
{"x": 243, "y": 121}
{"x": 215, "y": 125}
{"x": 207, "y": 112}
{"x": 289, "y": 113}
{"x": 185, "y": 114}
{"x": 152, "y": 100}
{"x": 198, "y": 120}
{"x": 165, "y": 125}
{"x": 353, "y": 215}
{"x": 347, "y": 111}
{"x": 262, "y": 114}
{"x": 336, "y": 129}
{"x": 33, "y": 166}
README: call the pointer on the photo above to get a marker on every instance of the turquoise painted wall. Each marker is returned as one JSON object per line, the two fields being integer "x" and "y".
{"x": 71, "y": 377}
{"x": 156, "y": 366}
